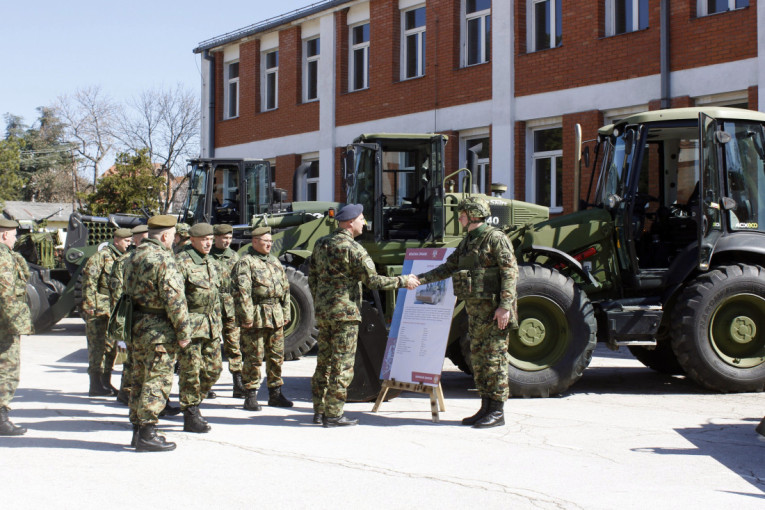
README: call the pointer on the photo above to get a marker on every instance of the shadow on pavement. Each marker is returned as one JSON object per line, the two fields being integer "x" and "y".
{"x": 28, "y": 441}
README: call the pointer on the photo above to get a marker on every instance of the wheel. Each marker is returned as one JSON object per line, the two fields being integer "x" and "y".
{"x": 718, "y": 331}
{"x": 556, "y": 334}
{"x": 660, "y": 358}
{"x": 300, "y": 333}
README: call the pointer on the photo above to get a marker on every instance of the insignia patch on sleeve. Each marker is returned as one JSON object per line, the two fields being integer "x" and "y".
{"x": 369, "y": 264}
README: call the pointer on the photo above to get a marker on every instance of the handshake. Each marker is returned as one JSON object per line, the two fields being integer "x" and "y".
{"x": 413, "y": 282}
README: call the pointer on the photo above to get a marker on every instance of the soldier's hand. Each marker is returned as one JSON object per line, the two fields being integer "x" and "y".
{"x": 413, "y": 282}
{"x": 184, "y": 343}
{"x": 502, "y": 317}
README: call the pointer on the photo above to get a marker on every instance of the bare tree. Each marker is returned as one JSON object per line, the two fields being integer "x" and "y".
{"x": 165, "y": 121}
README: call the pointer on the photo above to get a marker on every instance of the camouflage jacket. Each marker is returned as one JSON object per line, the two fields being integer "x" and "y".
{"x": 202, "y": 283}
{"x": 117, "y": 277}
{"x": 339, "y": 265}
{"x": 226, "y": 260}
{"x": 95, "y": 281}
{"x": 15, "y": 318}
{"x": 484, "y": 248}
{"x": 155, "y": 285}
{"x": 261, "y": 291}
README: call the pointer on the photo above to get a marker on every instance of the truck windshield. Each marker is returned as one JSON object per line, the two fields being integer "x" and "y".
{"x": 258, "y": 179}
{"x": 617, "y": 160}
{"x": 195, "y": 200}
{"x": 745, "y": 174}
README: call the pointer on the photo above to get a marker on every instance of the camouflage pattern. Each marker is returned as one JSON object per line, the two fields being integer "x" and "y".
{"x": 262, "y": 297}
{"x": 96, "y": 304}
{"x": 101, "y": 350}
{"x": 475, "y": 207}
{"x": 116, "y": 287}
{"x": 15, "y": 320}
{"x": 160, "y": 321}
{"x": 226, "y": 260}
{"x": 200, "y": 361}
{"x": 339, "y": 265}
{"x": 485, "y": 248}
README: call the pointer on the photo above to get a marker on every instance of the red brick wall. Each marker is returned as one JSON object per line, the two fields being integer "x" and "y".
{"x": 590, "y": 122}
{"x": 285, "y": 170}
{"x": 753, "y": 98}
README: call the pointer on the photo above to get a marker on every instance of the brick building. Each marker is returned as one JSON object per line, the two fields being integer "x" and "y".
{"x": 513, "y": 76}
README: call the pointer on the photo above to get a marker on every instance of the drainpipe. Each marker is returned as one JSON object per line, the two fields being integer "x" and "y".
{"x": 211, "y": 104}
{"x": 666, "y": 98}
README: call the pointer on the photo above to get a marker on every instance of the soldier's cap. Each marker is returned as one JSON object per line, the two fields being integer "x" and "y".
{"x": 182, "y": 229}
{"x": 140, "y": 229}
{"x": 162, "y": 221}
{"x": 350, "y": 212}
{"x": 6, "y": 223}
{"x": 122, "y": 233}
{"x": 222, "y": 229}
{"x": 201, "y": 230}
{"x": 259, "y": 231}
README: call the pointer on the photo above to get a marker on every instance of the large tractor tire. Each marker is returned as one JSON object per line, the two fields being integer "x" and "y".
{"x": 556, "y": 334}
{"x": 42, "y": 292}
{"x": 718, "y": 331}
{"x": 300, "y": 333}
{"x": 660, "y": 358}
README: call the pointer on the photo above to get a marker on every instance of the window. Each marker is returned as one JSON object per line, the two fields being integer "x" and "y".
{"x": 707, "y": 7}
{"x": 271, "y": 80}
{"x": 624, "y": 16}
{"x": 312, "y": 181}
{"x": 413, "y": 44}
{"x": 232, "y": 90}
{"x": 547, "y": 168}
{"x": 477, "y": 31}
{"x": 477, "y": 155}
{"x": 544, "y": 24}
{"x": 359, "y": 58}
{"x": 311, "y": 51}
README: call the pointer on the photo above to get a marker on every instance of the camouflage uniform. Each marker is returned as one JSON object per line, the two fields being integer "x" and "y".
{"x": 262, "y": 297}
{"x": 339, "y": 265}
{"x": 15, "y": 320}
{"x": 160, "y": 321}
{"x": 116, "y": 287}
{"x": 200, "y": 362}
{"x": 226, "y": 260}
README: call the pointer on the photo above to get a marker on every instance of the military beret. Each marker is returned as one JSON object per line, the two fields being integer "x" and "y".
{"x": 350, "y": 212}
{"x": 259, "y": 231}
{"x": 5, "y": 223}
{"x": 162, "y": 221}
{"x": 201, "y": 230}
{"x": 182, "y": 229}
{"x": 123, "y": 233}
{"x": 222, "y": 229}
{"x": 140, "y": 229}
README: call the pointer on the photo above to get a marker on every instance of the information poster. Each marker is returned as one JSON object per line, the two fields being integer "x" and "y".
{"x": 420, "y": 327}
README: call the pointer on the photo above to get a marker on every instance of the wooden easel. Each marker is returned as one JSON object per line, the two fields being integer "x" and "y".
{"x": 435, "y": 393}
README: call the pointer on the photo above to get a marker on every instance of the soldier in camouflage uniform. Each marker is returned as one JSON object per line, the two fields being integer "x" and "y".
{"x": 484, "y": 273}
{"x": 262, "y": 300}
{"x": 226, "y": 258}
{"x": 200, "y": 362}
{"x": 96, "y": 310}
{"x": 160, "y": 329}
{"x": 181, "y": 237}
{"x": 15, "y": 321}
{"x": 339, "y": 265}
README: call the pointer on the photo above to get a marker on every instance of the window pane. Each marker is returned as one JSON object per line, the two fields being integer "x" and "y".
{"x": 474, "y": 41}
{"x": 487, "y": 28}
{"x": 742, "y": 3}
{"x": 477, "y": 5}
{"x": 622, "y": 16}
{"x": 542, "y": 184}
{"x": 271, "y": 91}
{"x": 559, "y": 182}
{"x": 272, "y": 60}
{"x": 361, "y": 34}
{"x": 313, "y": 172}
{"x": 411, "y": 56}
{"x": 233, "y": 70}
{"x": 415, "y": 18}
{"x": 313, "y": 68}
{"x": 358, "y": 69}
{"x": 232, "y": 93}
{"x": 312, "y": 47}
{"x": 714, "y": 6}
{"x": 558, "y": 22}
{"x": 548, "y": 140}
{"x": 542, "y": 25}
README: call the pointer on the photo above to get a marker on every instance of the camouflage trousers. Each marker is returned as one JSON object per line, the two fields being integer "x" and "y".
{"x": 334, "y": 366}
{"x": 259, "y": 344}
{"x": 153, "y": 366}
{"x": 127, "y": 371}
{"x": 10, "y": 367}
{"x": 200, "y": 367}
{"x": 101, "y": 351}
{"x": 488, "y": 350}
{"x": 231, "y": 345}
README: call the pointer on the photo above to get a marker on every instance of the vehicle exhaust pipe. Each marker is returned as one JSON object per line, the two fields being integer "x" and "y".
{"x": 577, "y": 163}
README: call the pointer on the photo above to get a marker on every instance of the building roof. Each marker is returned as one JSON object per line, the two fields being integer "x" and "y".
{"x": 36, "y": 211}
{"x": 268, "y": 24}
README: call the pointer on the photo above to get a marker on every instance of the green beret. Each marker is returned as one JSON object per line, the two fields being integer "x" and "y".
{"x": 162, "y": 221}
{"x": 259, "y": 231}
{"x": 350, "y": 212}
{"x": 140, "y": 229}
{"x": 222, "y": 229}
{"x": 182, "y": 229}
{"x": 122, "y": 233}
{"x": 5, "y": 223}
{"x": 201, "y": 230}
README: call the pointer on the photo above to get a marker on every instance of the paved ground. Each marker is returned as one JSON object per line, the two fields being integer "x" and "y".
{"x": 624, "y": 437}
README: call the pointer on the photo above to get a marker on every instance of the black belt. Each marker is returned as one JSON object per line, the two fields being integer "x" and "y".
{"x": 149, "y": 310}
{"x": 267, "y": 301}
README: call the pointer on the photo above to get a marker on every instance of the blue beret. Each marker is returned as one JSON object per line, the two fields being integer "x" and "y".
{"x": 350, "y": 212}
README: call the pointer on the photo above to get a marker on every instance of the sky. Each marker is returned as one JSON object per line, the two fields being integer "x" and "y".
{"x": 53, "y": 47}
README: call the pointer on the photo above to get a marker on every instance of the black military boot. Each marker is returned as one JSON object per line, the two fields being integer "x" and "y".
{"x": 494, "y": 417}
{"x": 318, "y": 418}
{"x": 97, "y": 389}
{"x": 761, "y": 429}
{"x": 471, "y": 420}
{"x": 192, "y": 421}
{"x": 239, "y": 391}
{"x": 170, "y": 410}
{"x": 277, "y": 399}
{"x": 251, "y": 401}
{"x": 106, "y": 382}
{"x": 339, "y": 421}
{"x": 149, "y": 441}
{"x": 7, "y": 428}
{"x": 123, "y": 397}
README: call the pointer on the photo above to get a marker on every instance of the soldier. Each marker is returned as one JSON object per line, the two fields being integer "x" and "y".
{"x": 200, "y": 362}
{"x": 181, "y": 237}
{"x": 262, "y": 299}
{"x": 96, "y": 309}
{"x": 15, "y": 321}
{"x": 484, "y": 260}
{"x": 226, "y": 258}
{"x": 338, "y": 267}
{"x": 160, "y": 329}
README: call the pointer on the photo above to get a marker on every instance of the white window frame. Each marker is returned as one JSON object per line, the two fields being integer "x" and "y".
{"x": 311, "y": 181}
{"x": 228, "y": 96}
{"x": 531, "y": 172}
{"x": 531, "y": 26}
{"x": 482, "y": 164}
{"x": 307, "y": 61}
{"x": 419, "y": 33}
{"x": 484, "y": 17}
{"x": 363, "y": 47}
{"x": 266, "y": 73}
{"x": 703, "y": 10}
{"x": 611, "y": 17}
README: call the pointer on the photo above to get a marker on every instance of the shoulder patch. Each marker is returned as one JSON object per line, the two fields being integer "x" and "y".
{"x": 368, "y": 262}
